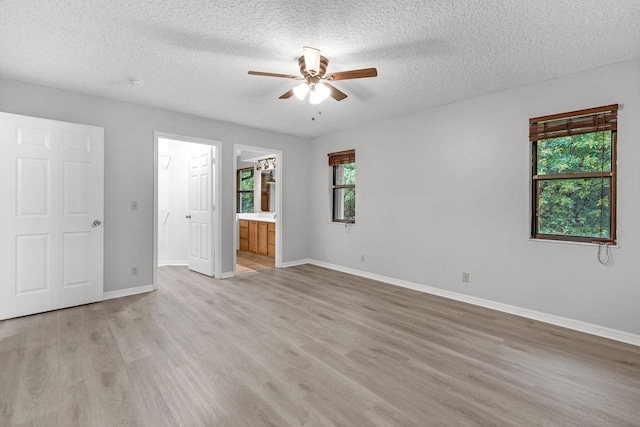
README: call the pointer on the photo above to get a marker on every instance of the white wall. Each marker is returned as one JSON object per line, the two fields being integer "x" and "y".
{"x": 129, "y": 162}
{"x": 439, "y": 192}
{"x": 447, "y": 190}
{"x": 173, "y": 197}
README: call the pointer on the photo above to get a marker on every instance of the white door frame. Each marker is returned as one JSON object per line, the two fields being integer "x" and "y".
{"x": 278, "y": 154}
{"x": 217, "y": 224}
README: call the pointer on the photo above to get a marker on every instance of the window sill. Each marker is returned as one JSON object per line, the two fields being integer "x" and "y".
{"x": 565, "y": 242}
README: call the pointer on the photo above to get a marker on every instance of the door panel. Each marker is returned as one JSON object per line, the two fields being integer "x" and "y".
{"x": 262, "y": 238}
{"x": 271, "y": 240}
{"x": 32, "y": 263}
{"x": 77, "y": 188}
{"x": 51, "y": 187}
{"x": 201, "y": 164}
{"x": 33, "y": 136}
{"x": 194, "y": 239}
{"x": 204, "y": 192}
{"x": 77, "y": 259}
{"x": 244, "y": 235}
{"x": 32, "y": 187}
{"x": 253, "y": 236}
{"x": 77, "y": 142}
{"x": 204, "y": 242}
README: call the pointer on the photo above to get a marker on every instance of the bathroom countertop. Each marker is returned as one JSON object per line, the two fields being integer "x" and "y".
{"x": 258, "y": 216}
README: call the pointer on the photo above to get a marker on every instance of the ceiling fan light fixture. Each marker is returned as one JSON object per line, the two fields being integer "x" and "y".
{"x": 319, "y": 93}
{"x": 301, "y": 91}
{"x": 314, "y": 97}
{"x": 312, "y": 59}
{"x": 313, "y": 68}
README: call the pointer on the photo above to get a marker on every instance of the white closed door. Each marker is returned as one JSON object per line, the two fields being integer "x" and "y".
{"x": 201, "y": 209}
{"x": 51, "y": 213}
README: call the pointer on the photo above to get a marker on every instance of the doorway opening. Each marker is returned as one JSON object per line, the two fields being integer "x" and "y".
{"x": 258, "y": 208}
{"x": 186, "y": 200}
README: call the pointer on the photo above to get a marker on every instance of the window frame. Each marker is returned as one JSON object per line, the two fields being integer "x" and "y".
{"x": 240, "y": 192}
{"x": 337, "y": 159}
{"x": 612, "y": 175}
{"x": 336, "y": 187}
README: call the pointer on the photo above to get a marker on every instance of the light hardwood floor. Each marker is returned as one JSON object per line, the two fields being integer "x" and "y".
{"x": 306, "y": 346}
{"x": 249, "y": 262}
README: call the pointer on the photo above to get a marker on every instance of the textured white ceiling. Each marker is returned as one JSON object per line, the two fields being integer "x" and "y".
{"x": 194, "y": 55}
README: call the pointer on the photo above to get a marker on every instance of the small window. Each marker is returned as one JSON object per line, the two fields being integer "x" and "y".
{"x": 343, "y": 190}
{"x": 245, "y": 190}
{"x": 574, "y": 175}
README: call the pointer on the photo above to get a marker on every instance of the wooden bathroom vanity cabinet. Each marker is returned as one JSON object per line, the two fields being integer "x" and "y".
{"x": 258, "y": 237}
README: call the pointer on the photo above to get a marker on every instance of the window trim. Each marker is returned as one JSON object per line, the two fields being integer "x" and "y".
{"x": 535, "y": 196}
{"x": 335, "y": 187}
{"x": 239, "y": 192}
{"x": 336, "y": 160}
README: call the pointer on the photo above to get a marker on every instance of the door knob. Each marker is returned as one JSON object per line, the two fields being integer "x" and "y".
{"x": 97, "y": 223}
{"x": 188, "y": 216}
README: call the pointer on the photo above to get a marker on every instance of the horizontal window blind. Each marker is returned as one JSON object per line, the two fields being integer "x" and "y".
{"x": 342, "y": 157}
{"x": 574, "y": 123}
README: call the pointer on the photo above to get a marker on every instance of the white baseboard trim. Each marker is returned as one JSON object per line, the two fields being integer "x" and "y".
{"x": 576, "y": 325}
{"x": 226, "y": 275}
{"x": 166, "y": 263}
{"x": 295, "y": 263}
{"x": 127, "y": 292}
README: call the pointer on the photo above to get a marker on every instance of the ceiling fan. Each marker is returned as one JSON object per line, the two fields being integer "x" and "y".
{"x": 313, "y": 67}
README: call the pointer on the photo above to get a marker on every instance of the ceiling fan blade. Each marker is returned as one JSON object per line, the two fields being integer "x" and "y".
{"x": 353, "y": 74}
{"x": 336, "y": 94}
{"x": 286, "y": 76}
{"x": 287, "y": 95}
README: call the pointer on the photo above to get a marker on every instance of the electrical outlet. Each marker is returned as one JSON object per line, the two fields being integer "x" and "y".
{"x": 134, "y": 206}
{"x": 134, "y": 271}
{"x": 465, "y": 277}
{"x": 361, "y": 258}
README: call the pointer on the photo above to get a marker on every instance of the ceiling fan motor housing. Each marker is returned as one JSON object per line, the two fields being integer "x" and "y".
{"x": 303, "y": 67}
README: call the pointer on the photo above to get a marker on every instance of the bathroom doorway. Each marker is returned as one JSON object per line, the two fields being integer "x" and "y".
{"x": 258, "y": 208}
{"x": 187, "y": 193}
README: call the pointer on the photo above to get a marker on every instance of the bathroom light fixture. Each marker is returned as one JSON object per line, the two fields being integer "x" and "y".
{"x": 266, "y": 164}
{"x": 270, "y": 179}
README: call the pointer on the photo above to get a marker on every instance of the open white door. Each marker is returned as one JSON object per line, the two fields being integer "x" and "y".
{"x": 51, "y": 212}
{"x": 201, "y": 209}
